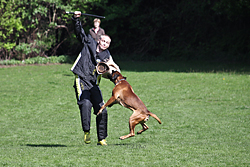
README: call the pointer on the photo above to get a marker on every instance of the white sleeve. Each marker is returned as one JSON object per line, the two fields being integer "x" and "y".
{"x": 111, "y": 64}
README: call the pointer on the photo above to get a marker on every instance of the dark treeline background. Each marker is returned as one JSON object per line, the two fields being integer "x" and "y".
{"x": 207, "y": 30}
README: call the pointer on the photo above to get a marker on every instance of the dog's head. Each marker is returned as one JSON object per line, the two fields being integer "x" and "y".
{"x": 116, "y": 76}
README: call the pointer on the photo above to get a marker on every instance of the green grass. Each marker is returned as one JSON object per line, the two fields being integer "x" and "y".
{"x": 204, "y": 109}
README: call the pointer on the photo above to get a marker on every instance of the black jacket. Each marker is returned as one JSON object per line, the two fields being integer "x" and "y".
{"x": 85, "y": 63}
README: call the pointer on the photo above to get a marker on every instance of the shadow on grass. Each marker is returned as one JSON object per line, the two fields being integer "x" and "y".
{"x": 181, "y": 66}
{"x": 46, "y": 145}
{"x": 131, "y": 145}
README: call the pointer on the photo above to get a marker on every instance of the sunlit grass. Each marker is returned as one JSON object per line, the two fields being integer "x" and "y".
{"x": 205, "y": 118}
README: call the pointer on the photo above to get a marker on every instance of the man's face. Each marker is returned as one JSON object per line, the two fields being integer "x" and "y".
{"x": 104, "y": 42}
{"x": 96, "y": 24}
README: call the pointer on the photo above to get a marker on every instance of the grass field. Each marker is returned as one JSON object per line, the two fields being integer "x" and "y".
{"x": 204, "y": 109}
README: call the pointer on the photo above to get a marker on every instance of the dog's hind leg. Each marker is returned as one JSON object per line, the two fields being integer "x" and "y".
{"x": 144, "y": 128}
{"x": 132, "y": 124}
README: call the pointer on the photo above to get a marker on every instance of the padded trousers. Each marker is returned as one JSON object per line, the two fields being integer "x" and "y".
{"x": 86, "y": 99}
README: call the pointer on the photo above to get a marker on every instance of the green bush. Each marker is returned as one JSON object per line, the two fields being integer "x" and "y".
{"x": 38, "y": 60}
{"x": 10, "y": 62}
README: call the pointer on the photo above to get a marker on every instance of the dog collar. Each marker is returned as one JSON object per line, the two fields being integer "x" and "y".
{"x": 120, "y": 81}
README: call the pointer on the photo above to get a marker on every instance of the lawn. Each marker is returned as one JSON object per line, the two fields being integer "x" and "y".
{"x": 204, "y": 109}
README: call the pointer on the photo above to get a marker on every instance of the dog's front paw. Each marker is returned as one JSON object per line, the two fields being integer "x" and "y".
{"x": 99, "y": 112}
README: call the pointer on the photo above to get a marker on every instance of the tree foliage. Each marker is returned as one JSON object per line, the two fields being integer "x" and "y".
{"x": 140, "y": 29}
{"x": 181, "y": 29}
{"x": 32, "y": 28}
{"x": 10, "y": 24}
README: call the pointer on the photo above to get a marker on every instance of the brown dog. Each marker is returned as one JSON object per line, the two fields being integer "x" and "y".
{"x": 125, "y": 96}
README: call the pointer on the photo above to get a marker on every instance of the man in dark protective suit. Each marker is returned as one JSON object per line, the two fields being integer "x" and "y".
{"x": 87, "y": 91}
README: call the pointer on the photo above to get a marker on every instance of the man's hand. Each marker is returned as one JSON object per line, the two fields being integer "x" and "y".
{"x": 77, "y": 14}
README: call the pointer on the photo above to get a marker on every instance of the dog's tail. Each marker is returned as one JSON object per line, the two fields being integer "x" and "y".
{"x": 154, "y": 116}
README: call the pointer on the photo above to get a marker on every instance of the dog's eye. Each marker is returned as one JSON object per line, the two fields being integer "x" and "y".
{"x": 115, "y": 76}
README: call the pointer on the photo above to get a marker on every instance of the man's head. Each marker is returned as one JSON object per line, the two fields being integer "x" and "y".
{"x": 97, "y": 23}
{"x": 104, "y": 42}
